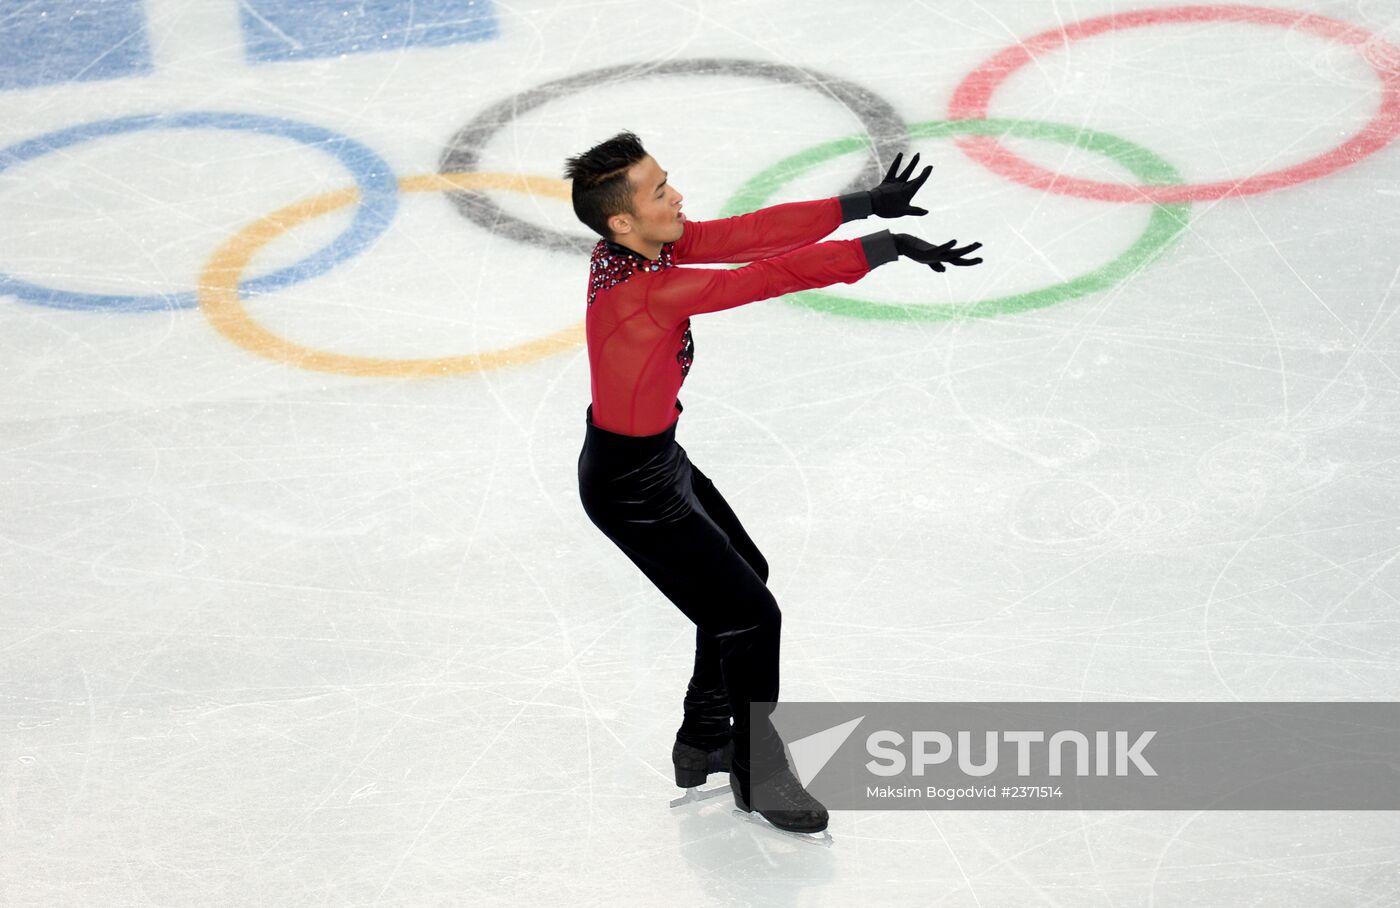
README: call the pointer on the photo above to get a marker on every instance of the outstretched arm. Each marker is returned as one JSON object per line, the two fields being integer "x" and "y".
{"x": 767, "y": 232}
{"x": 673, "y": 296}
{"x": 779, "y": 229}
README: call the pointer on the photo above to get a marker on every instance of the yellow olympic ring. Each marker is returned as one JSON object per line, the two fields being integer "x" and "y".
{"x": 221, "y": 304}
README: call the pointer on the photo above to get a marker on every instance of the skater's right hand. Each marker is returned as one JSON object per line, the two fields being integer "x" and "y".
{"x": 894, "y": 197}
{"x": 911, "y": 247}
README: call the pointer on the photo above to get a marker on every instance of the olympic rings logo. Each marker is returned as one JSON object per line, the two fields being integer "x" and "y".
{"x": 376, "y": 192}
{"x": 221, "y": 300}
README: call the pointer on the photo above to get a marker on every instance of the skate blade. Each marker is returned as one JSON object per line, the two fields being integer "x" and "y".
{"x": 698, "y": 794}
{"x": 822, "y": 838}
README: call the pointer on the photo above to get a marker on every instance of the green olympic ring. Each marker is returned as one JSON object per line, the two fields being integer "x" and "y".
{"x": 1164, "y": 226}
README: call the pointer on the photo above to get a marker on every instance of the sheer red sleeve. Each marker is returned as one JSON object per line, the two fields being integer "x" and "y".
{"x": 758, "y": 235}
{"x": 674, "y": 295}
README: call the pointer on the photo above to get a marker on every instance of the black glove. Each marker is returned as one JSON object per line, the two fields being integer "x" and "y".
{"x": 911, "y": 247}
{"x": 891, "y": 198}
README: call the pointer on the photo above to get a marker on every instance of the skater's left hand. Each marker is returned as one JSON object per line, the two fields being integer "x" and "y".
{"x": 891, "y": 199}
{"x": 911, "y": 247}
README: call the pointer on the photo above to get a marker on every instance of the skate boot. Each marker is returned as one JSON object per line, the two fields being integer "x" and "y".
{"x": 692, "y": 766}
{"x": 790, "y": 809}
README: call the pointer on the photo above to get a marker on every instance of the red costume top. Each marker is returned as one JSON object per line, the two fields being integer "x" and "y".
{"x": 638, "y": 323}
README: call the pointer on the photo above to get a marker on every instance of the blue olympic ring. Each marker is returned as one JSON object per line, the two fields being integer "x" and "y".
{"x": 379, "y": 200}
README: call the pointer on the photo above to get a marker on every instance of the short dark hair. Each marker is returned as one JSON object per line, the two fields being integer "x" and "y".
{"x": 600, "y": 185}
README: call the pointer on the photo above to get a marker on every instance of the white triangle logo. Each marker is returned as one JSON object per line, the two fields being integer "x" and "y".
{"x": 812, "y": 753}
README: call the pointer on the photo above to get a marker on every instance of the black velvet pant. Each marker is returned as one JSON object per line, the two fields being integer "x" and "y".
{"x": 670, "y": 520}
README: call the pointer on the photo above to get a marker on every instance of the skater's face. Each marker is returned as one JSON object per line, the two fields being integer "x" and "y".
{"x": 656, "y": 216}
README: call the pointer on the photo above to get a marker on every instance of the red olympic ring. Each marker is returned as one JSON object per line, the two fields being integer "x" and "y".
{"x": 973, "y": 95}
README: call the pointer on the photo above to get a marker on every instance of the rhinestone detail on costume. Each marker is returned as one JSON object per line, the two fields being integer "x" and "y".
{"x": 686, "y": 356}
{"x": 608, "y": 268}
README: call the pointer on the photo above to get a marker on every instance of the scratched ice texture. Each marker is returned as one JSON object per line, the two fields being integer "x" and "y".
{"x": 286, "y": 630}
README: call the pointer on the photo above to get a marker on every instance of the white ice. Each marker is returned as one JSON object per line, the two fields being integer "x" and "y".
{"x": 278, "y": 636}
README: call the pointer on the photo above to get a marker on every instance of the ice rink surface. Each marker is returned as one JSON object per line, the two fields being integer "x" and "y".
{"x": 299, "y": 603}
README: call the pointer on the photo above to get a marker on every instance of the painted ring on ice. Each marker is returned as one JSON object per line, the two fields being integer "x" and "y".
{"x": 886, "y": 132}
{"x": 1163, "y": 226}
{"x": 222, "y": 304}
{"x": 378, "y": 194}
{"x": 973, "y": 96}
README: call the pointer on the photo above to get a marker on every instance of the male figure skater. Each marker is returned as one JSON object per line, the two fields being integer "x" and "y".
{"x": 637, "y": 483}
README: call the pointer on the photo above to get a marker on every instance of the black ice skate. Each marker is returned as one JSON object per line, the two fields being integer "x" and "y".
{"x": 693, "y": 765}
{"x": 787, "y": 807}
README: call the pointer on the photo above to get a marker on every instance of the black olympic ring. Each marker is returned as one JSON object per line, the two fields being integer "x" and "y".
{"x": 888, "y": 132}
